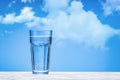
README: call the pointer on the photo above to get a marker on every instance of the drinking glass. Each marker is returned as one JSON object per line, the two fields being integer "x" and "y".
{"x": 40, "y": 41}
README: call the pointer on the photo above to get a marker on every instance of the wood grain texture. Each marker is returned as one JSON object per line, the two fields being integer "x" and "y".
{"x": 61, "y": 76}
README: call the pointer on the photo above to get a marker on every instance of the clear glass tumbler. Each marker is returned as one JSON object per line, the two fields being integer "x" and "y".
{"x": 40, "y": 50}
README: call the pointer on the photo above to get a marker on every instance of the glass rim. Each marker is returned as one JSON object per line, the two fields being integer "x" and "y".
{"x": 35, "y": 33}
{"x": 40, "y": 30}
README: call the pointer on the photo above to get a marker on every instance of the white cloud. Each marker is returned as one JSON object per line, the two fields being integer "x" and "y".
{"x": 110, "y": 6}
{"x": 81, "y": 26}
{"x": 25, "y": 16}
{"x": 9, "y": 19}
{"x": 11, "y": 3}
{"x": 38, "y": 22}
{"x": 25, "y": 1}
{"x": 54, "y": 5}
{"x": 69, "y": 22}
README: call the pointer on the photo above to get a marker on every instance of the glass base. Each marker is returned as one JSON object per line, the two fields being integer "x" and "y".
{"x": 40, "y": 72}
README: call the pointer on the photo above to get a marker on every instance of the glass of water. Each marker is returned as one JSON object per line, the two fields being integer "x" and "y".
{"x": 40, "y": 41}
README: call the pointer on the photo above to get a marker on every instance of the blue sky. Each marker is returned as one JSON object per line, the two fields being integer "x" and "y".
{"x": 86, "y": 33}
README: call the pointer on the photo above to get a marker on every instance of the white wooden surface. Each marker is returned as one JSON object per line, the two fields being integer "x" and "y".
{"x": 61, "y": 76}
